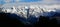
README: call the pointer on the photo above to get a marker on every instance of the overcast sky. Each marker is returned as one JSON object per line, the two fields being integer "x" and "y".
{"x": 40, "y": 1}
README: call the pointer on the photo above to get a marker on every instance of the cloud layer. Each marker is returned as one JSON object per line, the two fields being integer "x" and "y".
{"x": 38, "y": 1}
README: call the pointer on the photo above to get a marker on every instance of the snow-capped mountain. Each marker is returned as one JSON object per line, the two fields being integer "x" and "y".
{"x": 31, "y": 12}
{"x": 28, "y": 10}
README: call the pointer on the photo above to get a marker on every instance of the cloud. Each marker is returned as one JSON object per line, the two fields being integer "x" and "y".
{"x": 49, "y": 2}
{"x": 7, "y": 1}
{"x": 17, "y": 0}
{"x": 31, "y": 1}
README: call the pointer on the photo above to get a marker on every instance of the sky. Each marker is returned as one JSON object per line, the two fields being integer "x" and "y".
{"x": 13, "y": 1}
{"x": 40, "y": 1}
